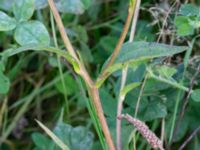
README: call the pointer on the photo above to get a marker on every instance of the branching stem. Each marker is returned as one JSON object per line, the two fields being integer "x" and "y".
{"x": 91, "y": 86}
{"x": 121, "y": 98}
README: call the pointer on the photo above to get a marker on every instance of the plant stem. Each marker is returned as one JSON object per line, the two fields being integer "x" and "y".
{"x": 140, "y": 96}
{"x": 190, "y": 91}
{"x": 189, "y": 138}
{"x": 120, "y": 107}
{"x": 120, "y": 42}
{"x": 93, "y": 115}
{"x": 91, "y": 86}
{"x": 94, "y": 93}
{"x": 178, "y": 98}
{"x": 68, "y": 44}
{"x": 59, "y": 64}
{"x": 172, "y": 83}
{"x": 138, "y": 104}
{"x": 185, "y": 102}
{"x": 124, "y": 75}
{"x": 62, "y": 30}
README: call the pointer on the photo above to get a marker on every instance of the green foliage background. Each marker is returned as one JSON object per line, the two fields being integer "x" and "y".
{"x": 41, "y": 84}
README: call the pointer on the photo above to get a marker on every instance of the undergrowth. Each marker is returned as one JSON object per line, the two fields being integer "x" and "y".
{"x": 93, "y": 75}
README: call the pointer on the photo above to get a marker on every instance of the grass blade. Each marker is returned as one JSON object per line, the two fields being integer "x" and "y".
{"x": 53, "y": 136}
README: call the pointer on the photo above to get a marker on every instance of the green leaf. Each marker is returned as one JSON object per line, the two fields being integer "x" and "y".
{"x": 108, "y": 102}
{"x": 2, "y": 67}
{"x": 196, "y": 95}
{"x": 40, "y": 4}
{"x": 153, "y": 86}
{"x": 32, "y": 32}
{"x": 131, "y": 101}
{"x": 32, "y": 47}
{"x": 17, "y": 68}
{"x": 66, "y": 55}
{"x": 119, "y": 66}
{"x": 77, "y": 138}
{"x": 7, "y": 23}
{"x": 136, "y": 73}
{"x": 53, "y": 61}
{"x": 169, "y": 81}
{"x": 189, "y": 10}
{"x": 86, "y": 3}
{"x": 71, "y": 86}
{"x": 81, "y": 138}
{"x": 135, "y": 51}
{"x": 81, "y": 33}
{"x": 183, "y": 26}
{"x": 108, "y": 43}
{"x": 182, "y": 130}
{"x": 86, "y": 53}
{"x": 195, "y": 23}
{"x": 6, "y": 5}
{"x": 23, "y": 9}
{"x": 73, "y": 6}
{"x": 154, "y": 110}
{"x": 166, "y": 71}
{"x": 53, "y": 137}
{"x": 42, "y": 142}
{"x": 144, "y": 27}
{"x": 4, "y": 84}
{"x": 4, "y": 81}
{"x": 129, "y": 87}
{"x": 63, "y": 131}
{"x": 127, "y": 132}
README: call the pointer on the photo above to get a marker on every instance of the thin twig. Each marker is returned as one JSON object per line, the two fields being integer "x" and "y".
{"x": 165, "y": 20}
{"x": 190, "y": 90}
{"x": 138, "y": 101}
{"x": 134, "y": 22}
{"x": 120, "y": 42}
{"x": 178, "y": 98}
{"x": 186, "y": 100}
{"x": 124, "y": 75}
{"x": 189, "y": 138}
{"x": 91, "y": 87}
{"x": 140, "y": 96}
